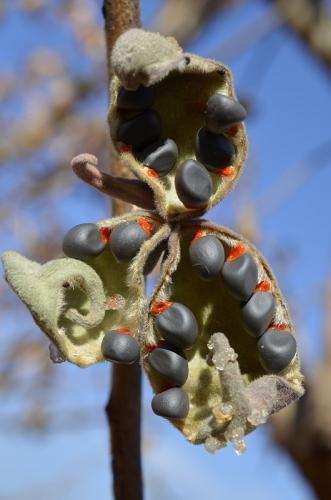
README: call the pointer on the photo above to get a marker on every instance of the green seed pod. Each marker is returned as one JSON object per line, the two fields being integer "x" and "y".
{"x": 226, "y": 382}
{"x": 239, "y": 371}
{"x": 182, "y": 86}
{"x": 76, "y": 302}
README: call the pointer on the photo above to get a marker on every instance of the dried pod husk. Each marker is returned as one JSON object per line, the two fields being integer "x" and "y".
{"x": 229, "y": 391}
{"x": 182, "y": 86}
{"x": 77, "y": 302}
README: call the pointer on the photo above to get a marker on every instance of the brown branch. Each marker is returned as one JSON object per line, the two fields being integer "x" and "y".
{"x": 311, "y": 22}
{"x": 124, "y": 406}
{"x": 304, "y": 429}
{"x": 119, "y": 16}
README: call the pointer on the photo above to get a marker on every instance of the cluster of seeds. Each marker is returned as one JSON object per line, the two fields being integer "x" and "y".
{"x": 177, "y": 326}
{"x": 88, "y": 240}
{"x": 139, "y": 132}
{"x": 235, "y": 269}
{"x": 239, "y": 274}
{"x": 207, "y": 363}
{"x": 142, "y": 132}
{"x": 124, "y": 240}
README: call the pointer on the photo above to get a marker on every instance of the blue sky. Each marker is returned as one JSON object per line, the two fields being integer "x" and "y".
{"x": 292, "y": 99}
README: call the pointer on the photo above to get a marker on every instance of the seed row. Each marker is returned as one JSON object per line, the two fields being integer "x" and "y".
{"x": 177, "y": 326}
{"x": 214, "y": 151}
{"x": 86, "y": 241}
{"x": 276, "y": 346}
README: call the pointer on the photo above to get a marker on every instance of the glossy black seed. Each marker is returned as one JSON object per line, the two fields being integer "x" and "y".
{"x": 222, "y": 112}
{"x": 240, "y": 276}
{"x": 161, "y": 156}
{"x": 140, "y": 130}
{"x": 214, "y": 150}
{"x": 177, "y": 325}
{"x": 120, "y": 348}
{"x": 126, "y": 239}
{"x": 193, "y": 184}
{"x": 135, "y": 100}
{"x": 207, "y": 256}
{"x": 83, "y": 241}
{"x": 173, "y": 403}
{"x": 276, "y": 348}
{"x": 170, "y": 365}
{"x": 257, "y": 313}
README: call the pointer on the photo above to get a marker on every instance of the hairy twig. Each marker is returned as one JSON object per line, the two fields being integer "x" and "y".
{"x": 129, "y": 190}
{"x": 123, "y": 407}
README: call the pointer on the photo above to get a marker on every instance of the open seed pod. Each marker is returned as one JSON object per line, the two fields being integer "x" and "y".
{"x": 230, "y": 322}
{"x": 175, "y": 122}
{"x": 96, "y": 289}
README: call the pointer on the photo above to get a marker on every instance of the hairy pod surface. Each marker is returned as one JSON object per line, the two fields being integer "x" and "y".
{"x": 76, "y": 301}
{"x": 216, "y": 389}
{"x": 182, "y": 86}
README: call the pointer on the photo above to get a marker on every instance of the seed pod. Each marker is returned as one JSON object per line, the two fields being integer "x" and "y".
{"x": 177, "y": 325}
{"x": 171, "y": 366}
{"x": 172, "y": 403}
{"x": 141, "y": 130}
{"x": 257, "y": 313}
{"x": 126, "y": 240}
{"x": 83, "y": 241}
{"x": 207, "y": 256}
{"x": 183, "y": 84}
{"x": 193, "y": 184}
{"x": 229, "y": 390}
{"x": 215, "y": 151}
{"x": 161, "y": 156}
{"x": 135, "y": 100}
{"x": 276, "y": 350}
{"x": 76, "y": 302}
{"x": 223, "y": 112}
{"x": 240, "y": 276}
{"x": 120, "y": 348}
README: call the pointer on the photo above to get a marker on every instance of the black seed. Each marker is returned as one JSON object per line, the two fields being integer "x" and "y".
{"x": 276, "y": 348}
{"x": 120, "y": 348}
{"x": 170, "y": 365}
{"x": 83, "y": 241}
{"x": 257, "y": 313}
{"x": 140, "y": 130}
{"x": 193, "y": 184}
{"x": 161, "y": 156}
{"x": 177, "y": 325}
{"x": 207, "y": 256}
{"x": 173, "y": 403}
{"x": 135, "y": 100}
{"x": 126, "y": 239}
{"x": 222, "y": 112}
{"x": 214, "y": 150}
{"x": 240, "y": 276}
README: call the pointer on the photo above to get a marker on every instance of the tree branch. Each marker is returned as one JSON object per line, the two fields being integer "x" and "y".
{"x": 303, "y": 430}
{"x": 311, "y": 21}
{"x": 124, "y": 405}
